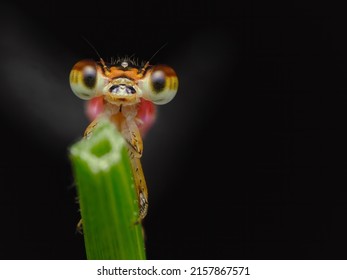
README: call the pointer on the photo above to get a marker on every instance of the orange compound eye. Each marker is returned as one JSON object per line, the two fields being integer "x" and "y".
{"x": 160, "y": 84}
{"x": 86, "y": 79}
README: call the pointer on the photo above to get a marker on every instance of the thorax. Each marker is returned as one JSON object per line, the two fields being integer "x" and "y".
{"x": 120, "y": 113}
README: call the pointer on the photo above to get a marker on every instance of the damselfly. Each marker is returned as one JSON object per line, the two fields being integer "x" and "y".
{"x": 125, "y": 92}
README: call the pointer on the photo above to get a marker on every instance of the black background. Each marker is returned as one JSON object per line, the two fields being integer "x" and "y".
{"x": 247, "y": 162}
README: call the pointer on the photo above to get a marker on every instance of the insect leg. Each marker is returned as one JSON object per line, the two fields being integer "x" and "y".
{"x": 89, "y": 130}
{"x": 132, "y": 135}
{"x": 140, "y": 183}
{"x": 87, "y": 134}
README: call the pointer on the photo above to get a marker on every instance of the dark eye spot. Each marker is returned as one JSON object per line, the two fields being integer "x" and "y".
{"x": 89, "y": 76}
{"x": 158, "y": 81}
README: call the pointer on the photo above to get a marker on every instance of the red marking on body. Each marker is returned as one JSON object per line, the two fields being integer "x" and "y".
{"x": 94, "y": 107}
{"x": 146, "y": 112}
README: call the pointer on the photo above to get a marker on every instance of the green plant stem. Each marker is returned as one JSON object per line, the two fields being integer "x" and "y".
{"x": 107, "y": 196}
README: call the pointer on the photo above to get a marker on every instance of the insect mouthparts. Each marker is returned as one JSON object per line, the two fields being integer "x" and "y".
{"x": 122, "y": 89}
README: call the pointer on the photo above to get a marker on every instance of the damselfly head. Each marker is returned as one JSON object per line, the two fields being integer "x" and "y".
{"x": 123, "y": 81}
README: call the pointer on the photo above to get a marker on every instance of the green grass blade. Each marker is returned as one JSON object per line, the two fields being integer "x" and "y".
{"x": 107, "y": 196}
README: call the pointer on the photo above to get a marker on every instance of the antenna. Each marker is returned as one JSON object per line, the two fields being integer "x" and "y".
{"x": 97, "y": 53}
{"x": 157, "y": 52}
{"x": 147, "y": 63}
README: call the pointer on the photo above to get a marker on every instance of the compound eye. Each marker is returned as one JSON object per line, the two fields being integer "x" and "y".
{"x": 85, "y": 80}
{"x": 160, "y": 84}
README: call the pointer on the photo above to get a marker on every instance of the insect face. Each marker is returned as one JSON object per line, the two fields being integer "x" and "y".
{"x": 123, "y": 83}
